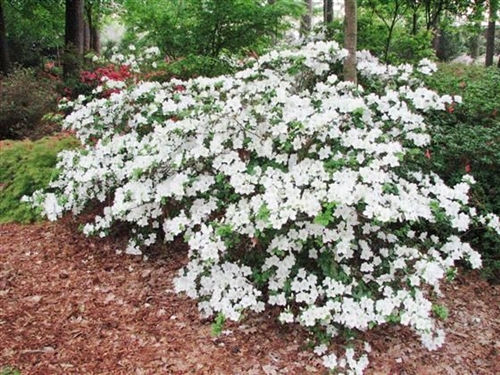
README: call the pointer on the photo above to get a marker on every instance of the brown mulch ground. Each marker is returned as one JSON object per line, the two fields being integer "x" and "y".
{"x": 70, "y": 305}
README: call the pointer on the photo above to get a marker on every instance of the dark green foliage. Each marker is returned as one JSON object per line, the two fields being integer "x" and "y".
{"x": 207, "y": 28}
{"x": 35, "y": 30}
{"x": 372, "y": 36}
{"x": 191, "y": 66}
{"x": 467, "y": 138}
{"x": 25, "y": 98}
{"x": 452, "y": 43}
{"x": 27, "y": 166}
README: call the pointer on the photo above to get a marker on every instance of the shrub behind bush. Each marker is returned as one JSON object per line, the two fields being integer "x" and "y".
{"x": 25, "y": 98}
{"x": 466, "y": 140}
{"x": 25, "y": 167}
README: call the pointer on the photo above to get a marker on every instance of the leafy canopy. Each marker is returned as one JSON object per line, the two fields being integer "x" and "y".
{"x": 208, "y": 27}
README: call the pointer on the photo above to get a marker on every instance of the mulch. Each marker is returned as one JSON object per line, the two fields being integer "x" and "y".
{"x": 72, "y": 305}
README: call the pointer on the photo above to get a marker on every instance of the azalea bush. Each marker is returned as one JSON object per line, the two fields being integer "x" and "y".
{"x": 112, "y": 71}
{"x": 292, "y": 188}
{"x": 121, "y": 67}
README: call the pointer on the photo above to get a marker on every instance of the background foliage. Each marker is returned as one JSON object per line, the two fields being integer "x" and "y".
{"x": 466, "y": 139}
{"x": 207, "y": 28}
{"x": 25, "y": 97}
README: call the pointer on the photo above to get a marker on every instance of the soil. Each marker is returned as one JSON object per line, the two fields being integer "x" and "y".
{"x": 72, "y": 305}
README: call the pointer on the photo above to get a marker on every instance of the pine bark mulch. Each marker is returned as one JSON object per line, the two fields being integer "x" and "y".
{"x": 71, "y": 305}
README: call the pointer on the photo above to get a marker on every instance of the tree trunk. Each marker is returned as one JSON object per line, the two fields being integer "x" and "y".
{"x": 327, "y": 11}
{"x": 87, "y": 37}
{"x": 490, "y": 32}
{"x": 414, "y": 24}
{"x": 490, "y": 43}
{"x": 4, "y": 47}
{"x": 437, "y": 44}
{"x": 306, "y": 20}
{"x": 474, "y": 47}
{"x": 75, "y": 24}
{"x": 74, "y": 36}
{"x": 96, "y": 40}
{"x": 350, "y": 39}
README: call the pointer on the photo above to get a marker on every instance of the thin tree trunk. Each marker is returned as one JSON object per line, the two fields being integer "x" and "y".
{"x": 306, "y": 20}
{"x": 350, "y": 39}
{"x": 4, "y": 47}
{"x": 327, "y": 11}
{"x": 96, "y": 40}
{"x": 87, "y": 37}
{"x": 490, "y": 32}
{"x": 474, "y": 47}
{"x": 490, "y": 43}
{"x": 414, "y": 25}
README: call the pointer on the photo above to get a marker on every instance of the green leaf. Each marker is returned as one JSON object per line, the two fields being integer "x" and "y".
{"x": 218, "y": 324}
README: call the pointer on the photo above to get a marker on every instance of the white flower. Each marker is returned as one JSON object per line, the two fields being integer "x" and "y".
{"x": 330, "y": 361}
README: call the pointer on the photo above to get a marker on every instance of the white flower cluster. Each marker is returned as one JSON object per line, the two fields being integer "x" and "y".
{"x": 136, "y": 60}
{"x": 287, "y": 184}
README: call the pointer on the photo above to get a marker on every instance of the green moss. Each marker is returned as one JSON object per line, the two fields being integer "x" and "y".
{"x": 25, "y": 167}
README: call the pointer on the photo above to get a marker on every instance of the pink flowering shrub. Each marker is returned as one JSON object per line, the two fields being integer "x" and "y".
{"x": 95, "y": 78}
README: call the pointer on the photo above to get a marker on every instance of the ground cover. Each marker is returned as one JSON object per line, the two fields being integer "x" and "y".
{"x": 69, "y": 304}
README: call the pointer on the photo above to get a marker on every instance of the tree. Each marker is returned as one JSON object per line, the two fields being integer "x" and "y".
{"x": 74, "y": 27}
{"x": 350, "y": 39}
{"x": 74, "y": 36}
{"x": 306, "y": 20}
{"x": 95, "y": 11}
{"x": 208, "y": 27}
{"x": 390, "y": 12}
{"x": 490, "y": 31}
{"x": 4, "y": 47}
{"x": 34, "y": 28}
{"x": 434, "y": 12}
{"x": 327, "y": 11}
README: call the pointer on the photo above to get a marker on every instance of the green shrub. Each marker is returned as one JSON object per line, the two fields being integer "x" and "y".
{"x": 26, "y": 166}
{"x": 9, "y": 371}
{"x": 25, "y": 98}
{"x": 194, "y": 66}
{"x": 465, "y": 139}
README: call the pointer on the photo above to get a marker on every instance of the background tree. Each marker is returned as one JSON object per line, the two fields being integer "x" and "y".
{"x": 306, "y": 19}
{"x": 74, "y": 36}
{"x": 34, "y": 29}
{"x": 350, "y": 39}
{"x": 207, "y": 27}
{"x": 96, "y": 12}
{"x": 490, "y": 31}
{"x": 390, "y": 12}
{"x": 4, "y": 47}
{"x": 327, "y": 11}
